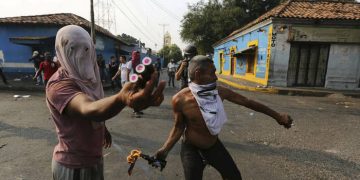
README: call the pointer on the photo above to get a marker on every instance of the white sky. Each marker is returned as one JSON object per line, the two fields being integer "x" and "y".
{"x": 148, "y": 15}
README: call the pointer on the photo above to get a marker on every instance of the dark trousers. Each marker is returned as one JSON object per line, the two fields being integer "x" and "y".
{"x": 171, "y": 78}
{"x": 193, "y": 160}
{"x": 115, "y": 83}
{"x": 3, "y": 77}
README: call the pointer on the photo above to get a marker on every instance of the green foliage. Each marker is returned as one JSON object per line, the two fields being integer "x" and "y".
{"x": 129, "y": 39}
{"x": 170, "y": 52}
{"x": 208, "y": 22}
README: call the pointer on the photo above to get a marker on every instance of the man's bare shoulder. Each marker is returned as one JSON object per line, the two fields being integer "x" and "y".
{"x": 181, "y": 94}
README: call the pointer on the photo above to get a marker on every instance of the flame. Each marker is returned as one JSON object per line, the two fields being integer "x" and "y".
{"x": 133, "y": 156}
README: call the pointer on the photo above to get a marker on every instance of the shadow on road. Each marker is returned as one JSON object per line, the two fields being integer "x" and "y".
{"x": 28, "y": 133}
{"x": 303, "y": 156}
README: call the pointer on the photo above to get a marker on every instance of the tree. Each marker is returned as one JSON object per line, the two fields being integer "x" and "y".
{"x": 129, "y": 39}
{"x": 208, "y": 22}
{"x": 170, "y": 52}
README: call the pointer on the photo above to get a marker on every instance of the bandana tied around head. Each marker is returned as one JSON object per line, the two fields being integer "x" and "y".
{"x": 211, "y": 106}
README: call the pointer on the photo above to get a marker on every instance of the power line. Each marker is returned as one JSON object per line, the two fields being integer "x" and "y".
{"x": 134, "y": 24}
{"x": 166, "y": 10}
{"x": 135, "y": 17}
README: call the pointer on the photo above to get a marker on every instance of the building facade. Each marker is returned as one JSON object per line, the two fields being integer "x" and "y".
{"x": 297, "y": 44}
{"x": 20, "y": 36}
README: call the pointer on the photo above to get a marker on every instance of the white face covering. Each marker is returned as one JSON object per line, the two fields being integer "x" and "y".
{"x": 211, "y": 106}
{"x": 76, "y": 53}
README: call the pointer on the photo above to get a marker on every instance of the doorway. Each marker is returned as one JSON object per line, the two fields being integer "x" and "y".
{"x": 308, "y": 64}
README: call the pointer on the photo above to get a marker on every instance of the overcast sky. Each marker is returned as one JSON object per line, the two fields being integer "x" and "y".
{"x": 149, "y": 14}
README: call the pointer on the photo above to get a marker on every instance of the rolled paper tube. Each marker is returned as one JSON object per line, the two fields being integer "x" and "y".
{"x": 146, "y": 61}
{"x": 140, "y": 68}
{"x": 134, "y": 78}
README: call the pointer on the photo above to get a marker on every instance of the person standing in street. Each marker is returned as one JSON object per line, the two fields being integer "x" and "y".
{"x": 102, "y": 67}
{"x": 199, "y": 117}
{"x": 3, "y": 77}
{"x": 113, "y": 68}
{"x": 75, "y": 98}
{"x": 123, "y": 70}
{"x": 37, "y": 59}
{"x": 48, "y": 67}
{"x": 182, "y": 72}
{"x": 171, "y": 68}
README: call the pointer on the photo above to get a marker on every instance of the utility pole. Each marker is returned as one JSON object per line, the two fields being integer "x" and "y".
{"x": 163, "y": 25}
{"x": 92, "y": 21}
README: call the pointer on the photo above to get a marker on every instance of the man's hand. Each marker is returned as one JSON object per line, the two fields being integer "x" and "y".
{"x": 140, "y": 99}
{"x": 184, "y": 64}
{"x": 161, "y": 154}
{"x": 107, "y": 139}
{"x": 285, "y": 120}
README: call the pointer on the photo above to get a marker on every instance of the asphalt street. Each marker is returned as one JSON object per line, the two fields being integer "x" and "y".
{"x": 323, "y": 144}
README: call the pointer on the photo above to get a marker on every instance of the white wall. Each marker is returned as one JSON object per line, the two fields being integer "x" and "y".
{"x": 280, "y": 53}
{"x": 343, "y": 70}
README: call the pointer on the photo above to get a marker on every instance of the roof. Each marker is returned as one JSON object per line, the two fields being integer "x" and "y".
{"x": 307, "y": 9}
{"x": 61, "y": 19}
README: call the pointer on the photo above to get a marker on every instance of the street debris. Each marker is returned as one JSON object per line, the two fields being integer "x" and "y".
{"x": 17, "y": 97}
{"x": 3, "y": 145}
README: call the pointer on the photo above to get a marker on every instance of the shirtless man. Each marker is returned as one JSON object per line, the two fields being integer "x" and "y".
{"x": 199, "y": 116}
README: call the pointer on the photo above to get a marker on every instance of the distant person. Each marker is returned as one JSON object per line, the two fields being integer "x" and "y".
{"x": 123, "y": 71}
{"x": 102, "y": 67}
{"x": 75, "y": 98}
{"x": 171, "y": 68}
{"x": 113, "y": 68}
{"x": 199, "y": 117}
{"x": 182, "y": 71}
{"x": 48, "y": 67}
{"x": 37, "y": 59}
{"x": 157, "y": 66}
{"x": 135, "y": 59}
{"x": 3, "y": 77}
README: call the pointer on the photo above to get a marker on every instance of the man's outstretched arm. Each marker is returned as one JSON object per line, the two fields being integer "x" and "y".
{"x": 175, "y": 132}
{"x": 282, "y": 119}
{"x": 82, "y": 106}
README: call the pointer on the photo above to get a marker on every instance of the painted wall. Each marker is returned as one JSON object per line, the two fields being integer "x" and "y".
{"x": 260, "y": 37}
{"x": 280, "y": 53}
{"x": 343, "y": 70}
{"x": 16, "y": 56}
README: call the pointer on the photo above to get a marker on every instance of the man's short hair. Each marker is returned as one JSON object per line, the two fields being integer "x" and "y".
{"x": 123, "y": 56}
{"x": 198, "y": 62}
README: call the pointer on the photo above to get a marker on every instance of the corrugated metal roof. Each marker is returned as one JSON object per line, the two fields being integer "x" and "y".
{"x": 307, "y": 9}
{"x": 61, "y": 19}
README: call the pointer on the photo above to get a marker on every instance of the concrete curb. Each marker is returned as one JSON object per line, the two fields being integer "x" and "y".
{"x": 248, "y": 88}
{"x": 289, "y": 92}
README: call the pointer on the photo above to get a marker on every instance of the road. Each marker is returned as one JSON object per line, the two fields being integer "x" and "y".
{"x": 323, "y": 144}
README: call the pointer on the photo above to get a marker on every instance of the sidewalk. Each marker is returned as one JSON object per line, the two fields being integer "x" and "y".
{"x": 24, "y": 82}
{"x": 302, "y": 91}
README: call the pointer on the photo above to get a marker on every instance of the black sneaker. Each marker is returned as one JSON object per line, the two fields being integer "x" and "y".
{"x": 137, "y": 114}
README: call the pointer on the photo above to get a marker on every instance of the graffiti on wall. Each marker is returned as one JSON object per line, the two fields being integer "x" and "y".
{"x": 273, "y": 39}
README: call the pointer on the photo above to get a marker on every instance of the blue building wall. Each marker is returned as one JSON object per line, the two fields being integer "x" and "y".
{"x": 17, "y": 56}
{"x": 261, "y": 36}
{"x": 16, "y": 53}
